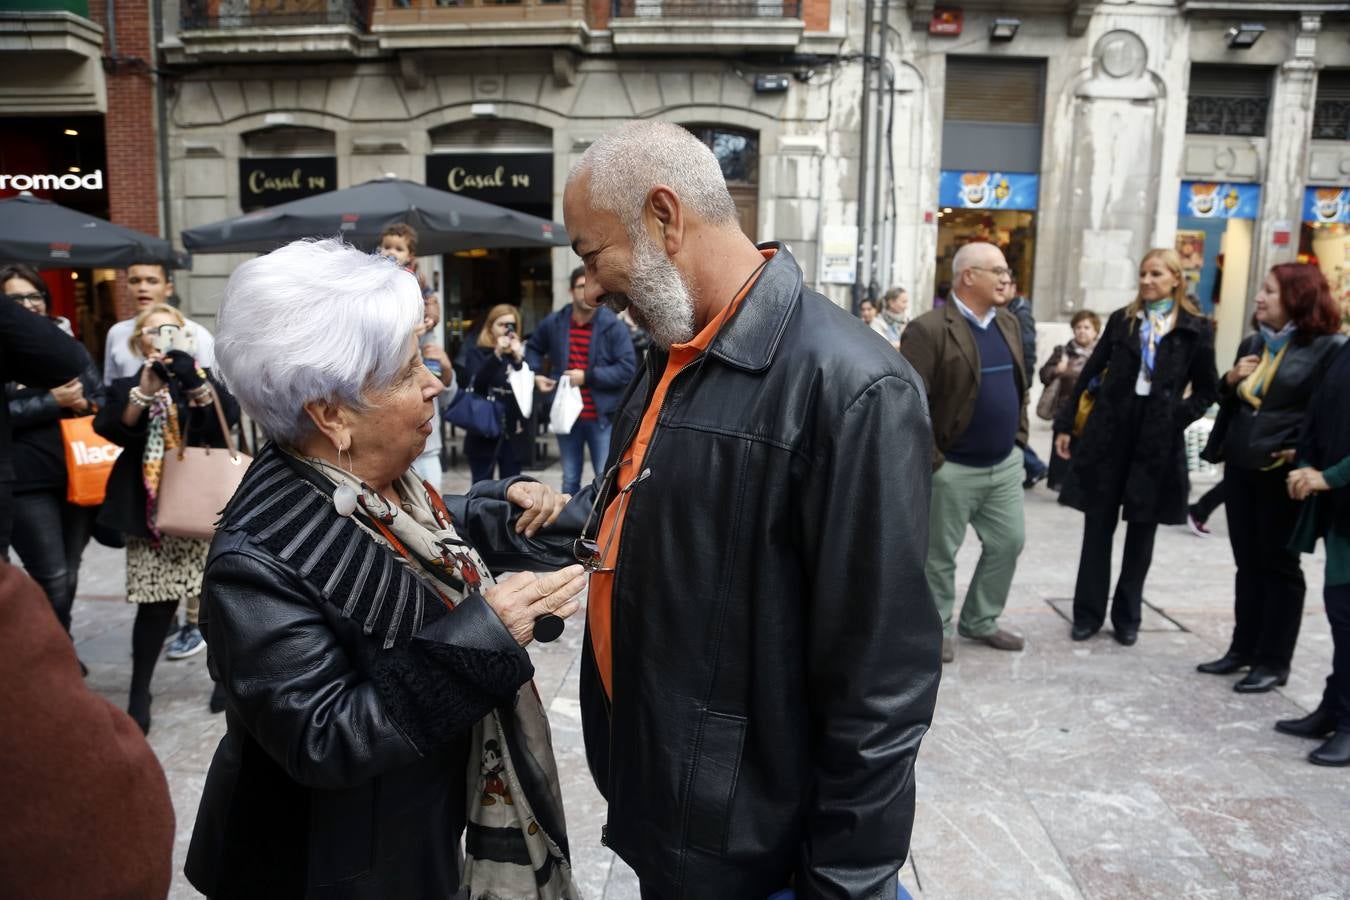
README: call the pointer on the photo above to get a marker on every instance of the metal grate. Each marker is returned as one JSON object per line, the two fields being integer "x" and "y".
{"x": 978, "y": 89}
{"x": 1232, "y": 100}
{"x": 213, "y": 14}
{"x": 708, "y": 9}
{"x": 1331, "y": 114}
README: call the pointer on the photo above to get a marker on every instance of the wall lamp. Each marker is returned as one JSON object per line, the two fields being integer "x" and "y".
{"x": 1240, "y": 37}
{"x": 1004, "y": 30}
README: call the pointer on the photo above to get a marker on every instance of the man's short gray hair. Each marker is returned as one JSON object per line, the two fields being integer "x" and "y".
{"x": 967, "y": 257}
{"x": 625, "y": 164}
{"x": 314, "y": 320}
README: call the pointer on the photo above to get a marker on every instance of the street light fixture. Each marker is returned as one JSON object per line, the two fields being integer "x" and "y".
{"x": 1004, "y": 30}
{"x": 1241, "y": 37}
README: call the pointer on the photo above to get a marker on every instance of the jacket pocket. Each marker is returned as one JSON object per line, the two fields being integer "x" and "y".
{"x": 714, "y": 781}
{"x": 342, "y": 834}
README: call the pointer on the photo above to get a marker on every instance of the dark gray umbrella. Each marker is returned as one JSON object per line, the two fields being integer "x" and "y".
{"x": 49, "y": 235}
{"x": 445, "y": 222}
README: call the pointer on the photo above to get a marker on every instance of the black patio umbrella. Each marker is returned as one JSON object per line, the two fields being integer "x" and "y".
{"x": 445, "y": 222}
{"x": 49, "y": 235}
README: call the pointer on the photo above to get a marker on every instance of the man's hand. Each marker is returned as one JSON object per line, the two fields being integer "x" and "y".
{"x": 577, "y": 376}
{"x": 1062, "y": 445}
{"x": 69, "y": 395}
{"x": 1302, "y": 483}
{"x": 1241, "y": 369}
{"x": 544, "y": 383}
{"x": 431, "y": 312}
{"x": 525, "y": 596}
{"x": 541, "y": 504}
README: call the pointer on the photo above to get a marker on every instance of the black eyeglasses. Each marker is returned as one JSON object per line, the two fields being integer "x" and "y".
{"x": 27, "y": 299}
{"x": 998, "y": 272}
{"x": 588, "y": 551}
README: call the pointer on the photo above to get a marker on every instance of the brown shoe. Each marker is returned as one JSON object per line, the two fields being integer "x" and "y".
{"x": 948, "y": 650}
{"x": 1002, "y": 640}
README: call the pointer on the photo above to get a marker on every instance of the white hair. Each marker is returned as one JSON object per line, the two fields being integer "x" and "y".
{"x": 314, "y": 320}
{"x": 625, "y": 164}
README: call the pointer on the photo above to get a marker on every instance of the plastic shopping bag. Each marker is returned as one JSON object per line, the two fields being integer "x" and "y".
{"x": 522, "y": 385}
{"x": 566, "y": 407}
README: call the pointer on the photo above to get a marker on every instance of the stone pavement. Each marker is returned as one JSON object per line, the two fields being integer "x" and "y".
{"x": 1068, "y": 770}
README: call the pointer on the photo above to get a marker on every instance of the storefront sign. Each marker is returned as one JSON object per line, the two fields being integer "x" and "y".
{"x": 506, "y": 179}
{"x": 70, "y": 181}
{"x": 1210, "y": 200}
{"x": 988, "y": 190}
{"x": 1325, "y": 205}
{"x": 268, "y": 182}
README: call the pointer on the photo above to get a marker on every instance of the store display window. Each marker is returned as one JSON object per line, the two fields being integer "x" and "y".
{"x": 1324, "y": 240}
{"x": 1215, "y": 227}
{"x": 997, "y": 207}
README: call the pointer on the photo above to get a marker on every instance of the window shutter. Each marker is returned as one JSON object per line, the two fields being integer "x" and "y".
{"x": 995, "y": 90}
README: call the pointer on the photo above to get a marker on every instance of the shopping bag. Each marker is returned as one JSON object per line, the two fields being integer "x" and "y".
{"x": 522, "y": 385}
{"x": 89, "y": 461}
{"x": 566, "y": 407}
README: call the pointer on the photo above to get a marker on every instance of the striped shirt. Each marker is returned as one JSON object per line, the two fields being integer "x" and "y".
{"x": 579, "y": 357}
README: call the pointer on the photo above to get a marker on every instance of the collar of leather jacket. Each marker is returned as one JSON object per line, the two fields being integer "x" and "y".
{"x": 750, "y": 339}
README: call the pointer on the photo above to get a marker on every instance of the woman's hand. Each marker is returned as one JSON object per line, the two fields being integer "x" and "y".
{"x": 503, "y": 345}
{"x": 1304, "y": 482}
{"x": 151, "y": 382}
{"x": 1062, "y": 445}
{"x": 1241, "y": 369}
{"x": 515, "y": 347}
{"x": 70, "y": 395}
{"x": 541, "y": 505}
{"x": 1063, "y": 365}
{"x": 525, "y": 596}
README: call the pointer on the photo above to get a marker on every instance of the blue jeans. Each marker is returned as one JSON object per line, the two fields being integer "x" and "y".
{"x": 571, "y": 448}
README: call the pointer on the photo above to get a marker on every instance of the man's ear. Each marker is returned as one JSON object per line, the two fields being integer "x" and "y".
{"x": 332, "y": 420}
{"x": 666, "y": 214}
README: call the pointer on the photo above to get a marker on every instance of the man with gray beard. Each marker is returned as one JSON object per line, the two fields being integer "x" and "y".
{"x": 756, "y": 675}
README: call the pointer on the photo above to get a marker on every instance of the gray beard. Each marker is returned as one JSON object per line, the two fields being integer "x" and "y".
{"x": 660, "y": 300}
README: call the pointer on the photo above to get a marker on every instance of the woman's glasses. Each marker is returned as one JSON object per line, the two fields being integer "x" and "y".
{"x": 588, "y": 551}
{"x": 29, "y": 300}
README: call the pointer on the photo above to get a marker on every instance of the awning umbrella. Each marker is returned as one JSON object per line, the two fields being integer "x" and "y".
{"x": 49, "y": 235}
{"x": 445, "y": 222}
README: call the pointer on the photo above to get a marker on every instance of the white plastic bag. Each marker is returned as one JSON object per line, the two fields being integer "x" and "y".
{"x": 566, "y": 407}
{"x": 522, "y": 385}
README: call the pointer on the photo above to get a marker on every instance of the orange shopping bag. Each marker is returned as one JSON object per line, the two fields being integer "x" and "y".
{"x": 89, "y": 461}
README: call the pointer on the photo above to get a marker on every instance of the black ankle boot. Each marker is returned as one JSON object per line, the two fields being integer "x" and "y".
{"x": 138, "y": 707}
{"x": 1317, "y": 724}
{"x": 1335, "y": 752}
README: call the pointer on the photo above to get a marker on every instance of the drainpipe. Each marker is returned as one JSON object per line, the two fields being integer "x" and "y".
{"x": 862, "y": 155}
{"x": 881, "y": 134}
{"x": 162, "y": 116}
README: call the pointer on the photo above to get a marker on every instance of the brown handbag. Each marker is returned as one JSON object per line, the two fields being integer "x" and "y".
{"x": 197, "y": 482}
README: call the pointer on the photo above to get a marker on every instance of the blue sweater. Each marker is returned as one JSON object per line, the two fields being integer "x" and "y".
{"x": 992, "y": 431}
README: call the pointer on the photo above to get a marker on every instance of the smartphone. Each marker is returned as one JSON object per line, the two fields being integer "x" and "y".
{"x": 174, "y": 337}
{"x": 510, "y": 327}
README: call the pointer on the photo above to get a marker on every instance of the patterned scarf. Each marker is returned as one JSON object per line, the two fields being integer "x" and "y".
{"x": 1253, "y": 388}
{"x": 161, "y": 434}
{"x": 1155, "y": 325}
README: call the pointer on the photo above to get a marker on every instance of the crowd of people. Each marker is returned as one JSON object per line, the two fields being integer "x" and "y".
{"x": 753, "y": 673}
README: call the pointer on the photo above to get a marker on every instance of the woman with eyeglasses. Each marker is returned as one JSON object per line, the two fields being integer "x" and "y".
{"x": 168, "y": 404}
{"x": 1151, "y": 375}
{"x": 50, "y": 533}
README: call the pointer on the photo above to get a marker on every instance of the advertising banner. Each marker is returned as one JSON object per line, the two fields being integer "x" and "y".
{"x": 1325, "y": 205}
{"x": 1212, "y": 200}
{"x": 988, "y": 190}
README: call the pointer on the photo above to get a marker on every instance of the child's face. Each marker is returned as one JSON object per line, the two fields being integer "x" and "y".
{"x": 396, "y": 248}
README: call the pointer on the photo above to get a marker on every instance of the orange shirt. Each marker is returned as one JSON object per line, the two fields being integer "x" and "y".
{"x": 599, "y": 605}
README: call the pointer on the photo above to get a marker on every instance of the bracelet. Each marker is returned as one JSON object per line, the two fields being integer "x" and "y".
{"x": 139, "y": 397}
{"x": 201, "y": 392}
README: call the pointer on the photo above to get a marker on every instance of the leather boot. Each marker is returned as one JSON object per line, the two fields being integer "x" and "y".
{"x": 1335, "y": 752}
{"x": 1317, "y": 724}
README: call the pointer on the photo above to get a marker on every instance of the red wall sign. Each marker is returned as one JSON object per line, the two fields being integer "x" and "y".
{"x": 946, "y": 21}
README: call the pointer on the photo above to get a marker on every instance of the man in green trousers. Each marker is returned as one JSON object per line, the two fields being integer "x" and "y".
{"x": 969, "y": 354}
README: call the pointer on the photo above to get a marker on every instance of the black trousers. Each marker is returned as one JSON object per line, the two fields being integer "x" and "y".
{"x": 1336, "y": 698}
{"x": 485, "y": 454}
{"x": 1211, "y": 500}
{"x": 49, "y": 537}
{"x": 1099, "y": 527}
{"x": 1269, "y": 588}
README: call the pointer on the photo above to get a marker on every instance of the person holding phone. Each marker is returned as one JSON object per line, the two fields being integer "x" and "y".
{"x": 484, "y": 366}
{"x": 167, "y": 402}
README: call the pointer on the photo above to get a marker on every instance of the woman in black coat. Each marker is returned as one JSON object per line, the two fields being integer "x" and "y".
{"x": 146, "y": 414}
{"x": 1265, "y": 397}
{"x": 1131, "y": 457}
{"x": 50, "y": 532}
{"x": 483, "y": 368}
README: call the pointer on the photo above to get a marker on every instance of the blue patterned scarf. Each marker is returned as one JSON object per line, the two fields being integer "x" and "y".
{"x": 1155, "y": 324}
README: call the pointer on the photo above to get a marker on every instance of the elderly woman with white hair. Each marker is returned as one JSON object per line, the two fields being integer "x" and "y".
{"x": 378, "y": 702}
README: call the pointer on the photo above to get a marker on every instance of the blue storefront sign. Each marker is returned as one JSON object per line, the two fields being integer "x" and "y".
{"x": 1325, "y": 205}
{"x": 988, "y": 190}
{"x": 1215, "y": 200}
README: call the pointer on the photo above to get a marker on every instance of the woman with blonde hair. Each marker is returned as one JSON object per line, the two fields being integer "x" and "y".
{"x": 1151, "y": 375}
{"x": 483, "y": 367}
{"x": 169, "y": 403}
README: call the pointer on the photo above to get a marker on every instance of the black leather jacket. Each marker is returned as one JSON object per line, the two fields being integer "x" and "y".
{"x": 1246, "y": 437}
{"x": 350, "y": 695}
{"x": 776, "y": 651}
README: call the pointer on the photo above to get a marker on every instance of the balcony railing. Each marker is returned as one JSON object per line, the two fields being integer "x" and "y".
{"x": 707, "y": 9}
{"x": 215, "y": 14}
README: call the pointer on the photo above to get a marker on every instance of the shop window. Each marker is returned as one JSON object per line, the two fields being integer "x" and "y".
{"x": 1331, "y": 114}
{"x": 1325, "y": 240}
{"x": 1228, "y": 100}
{"x": 737, "y": 151}
{"x": 1215, "y": 229}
